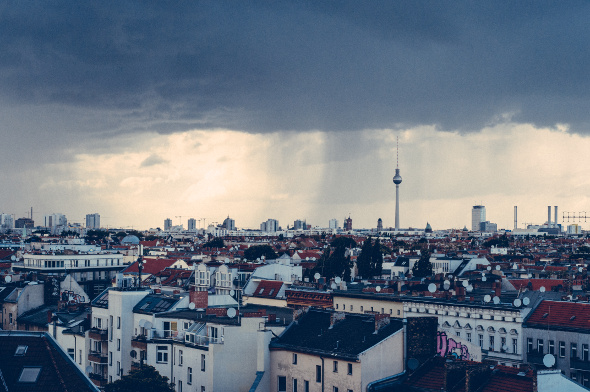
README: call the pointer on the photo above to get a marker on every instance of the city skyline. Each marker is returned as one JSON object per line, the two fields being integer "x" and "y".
{"x": 291, "y": 111}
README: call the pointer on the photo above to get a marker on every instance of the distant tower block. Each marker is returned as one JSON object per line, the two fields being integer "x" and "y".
{"x": 397, "y": 179}
{"x": 515, "y": 218}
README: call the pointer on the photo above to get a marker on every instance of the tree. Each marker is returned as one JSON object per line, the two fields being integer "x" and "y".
{"x": 145, "y": 379}
{"x": 423, "y": 267}
{"x": 363, "y": 261}
{"x": 347, "y": 242}
{"x": 257, "y": 251}
{"x": 333, "y": 264}
{"x": 96, "y": 235}
{"x": 376, "y": 259}
{"x": 214, "y": 243}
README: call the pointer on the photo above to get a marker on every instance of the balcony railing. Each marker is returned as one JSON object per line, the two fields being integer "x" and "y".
{"x": 98, "y": 334}
{"x": 98, "y": 357}
{"x": 579, "y": 364}
{"x": 98, "y": 379}
{"x": 534, "y": 357}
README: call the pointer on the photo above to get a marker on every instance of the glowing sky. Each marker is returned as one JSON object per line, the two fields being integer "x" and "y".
{"x": 290, "y": 110}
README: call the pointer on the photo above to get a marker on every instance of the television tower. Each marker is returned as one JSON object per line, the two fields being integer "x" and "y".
{"x": 397, "y": 179}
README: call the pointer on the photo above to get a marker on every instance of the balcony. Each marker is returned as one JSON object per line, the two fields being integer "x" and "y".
{"x": 98, "y": 379}
{"x": 94, "y": 356}
{"x": 139, "y": 342}
{"x": 579, "y": 364}
{"x": 534, "y": 357}
{"x": 98, "y": 334}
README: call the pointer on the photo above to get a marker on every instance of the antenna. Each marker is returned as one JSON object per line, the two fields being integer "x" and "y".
{"x": 397, "y": 151}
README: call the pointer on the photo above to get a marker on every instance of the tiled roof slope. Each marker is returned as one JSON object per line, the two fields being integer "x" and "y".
{"x": 267, "y": 289}
{"x": 347, "y": 338}
{"x": 58, "y": 372}
{"x": 509, "y": 379}
{"x": 561, "y": 314}
{"x": 150, "y": 266}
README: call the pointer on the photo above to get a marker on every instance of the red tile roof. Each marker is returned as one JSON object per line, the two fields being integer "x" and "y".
{"x": 268, "y": 289}
{"x": 509, "y": 379}
{"x": 561, "y": 314}
{"x": 537, "y": 283}
{"x": 150, "y": 266}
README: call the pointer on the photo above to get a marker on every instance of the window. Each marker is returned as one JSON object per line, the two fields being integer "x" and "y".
{"x": 294, "y": 385}
{"x": 294, "y": 359}
{"x": 318, "y": 373}
{"x": 180, "y": 358}
{"x": 189, "y": 376}
{"x": 573, "y": 376}
{"x": 398, "y": 312}
{"x": 10, "y": 317}
{"x": 382, "y": 310}
{"x": 585, "y": 352}
{"x": 574, "y": 350}
{"x": 491, "y": 343}
{"x": 503, "y": 346}
{"x": 72, "y": 353}
{"x": 29, "y": 374}
{"x": 551, "y": 347}
{"x": 335, "y": 367}
{"x": 282, "y": 384}
{"x": 469, "y": 336}
{"x": 162, "y": 354}
{"x": 110, "y": 358}
{"x": 350, "y": 369}
{"x": 514, "y": 346}
{"x": 335, "y": 389}
{"x": 118, "y": 368}
{"x": 362, "y": 308}
{"x": 202, "y": 362}
{"x": 179, "y": 385}
{"x": 529, "y": 345}
{"x": 336, "y": 306}
{"x": 118, "y": 322}
{"x": 343, "y": 306}
{"x": 21, "y": 350}
{"x": 458, "y": 333}
{"x": 118, "y": 344}
{"x": 540, "y": 346}
{"x": 111, "y": 329}
{"x": 562, "y": 349}
{"x": 351, "y": 308}
{"x": 79, "y": 357}
{"x": 480, "y": 340}
{"x": 305, "y": 386}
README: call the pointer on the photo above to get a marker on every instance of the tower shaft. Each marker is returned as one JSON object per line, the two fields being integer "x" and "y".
{"x": 396, "y": 206}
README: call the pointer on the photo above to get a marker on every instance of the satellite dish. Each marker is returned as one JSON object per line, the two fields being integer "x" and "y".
{"x": 514, "y": 266}
{"x": 142, "y": 323}
{"x": 446, "y": 285}
{"x": 8, "y": 278}
{"x": 133, "y": 354}
{"x": 13, "y": 257}
{"x": 505, "y": 347}
{"x": 232, "y": 292}
{"x": 530, "y": 275}
{"x": 489, "y": 268}
{"x": 226, "y": 260}
{"x": 517, "y": 302}
{"x": 432, "y": 287}
{"x": 497, "y": 268}
{"x": 465, "y": 283}
{"x": 88, "y": 369}
{"x": 580, "y": 269}
{"x": 231, "y": 312}
{"x": 542, "y": 289}
{"x": 496, "y": 300}
{"x": 192, "y": 248}
{"x": 191, "y": 306}
{"x": 469, "y": 288}
{"x": 548, "y": 360}
{"x": 307, "y": 259}
{"x": 378, "y": 288}
{"x": 487, "y": 298}
{"x": 413, "y": 363}
{"x": 317, "y": 275}
{"x": 148, "y": 325}
{"x": 483, "y": 279}
{"x": 337, "y": 280}
{"x": 333, "y": 286}
{"x": 526, "y": 301}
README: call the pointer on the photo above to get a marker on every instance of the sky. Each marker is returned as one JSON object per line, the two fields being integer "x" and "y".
{"x": 143, "y": 111}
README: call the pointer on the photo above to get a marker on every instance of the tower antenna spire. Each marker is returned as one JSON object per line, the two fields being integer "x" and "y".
{"x": 397, "y": 179}
{"x": 397, "y": 151}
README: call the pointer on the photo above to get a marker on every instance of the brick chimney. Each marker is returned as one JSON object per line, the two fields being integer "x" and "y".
{"x": 335, "y": 317}
{"x": 381, "y": 320}
{"x": 199, "y": 298}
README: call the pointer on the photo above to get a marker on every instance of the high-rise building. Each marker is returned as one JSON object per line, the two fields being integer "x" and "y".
{"x": 379, "y": 224}
{"x": 6, "y": 222}
{"x": 478, "y": 215}
{"x": 299, "y": 225}
{"x": 347, "y": 224}
{"x": 24, "y": 222}
{"x": 397, "y": 179}
{"x": 229, "y": 223}
{"x": 54, "y": 220}
{"x": 192, "y": 224}
{"x": 93, "y": 221}
{"x": 270, "y": 226}
{"x": 167, "y": 224}
{"x": 333, "y": 224}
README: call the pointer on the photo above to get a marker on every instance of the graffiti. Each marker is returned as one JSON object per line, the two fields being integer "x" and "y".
{"x": 449, "y": 346}
{"x": 72, "y": 298}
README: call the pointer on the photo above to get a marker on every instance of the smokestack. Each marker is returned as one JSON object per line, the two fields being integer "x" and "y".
{"x": 548, "y": 216}
{"x": 515, "y": 218}
{"x": 555, "y": 217}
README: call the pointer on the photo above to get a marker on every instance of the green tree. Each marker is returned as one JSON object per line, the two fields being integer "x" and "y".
{"x": 257, "y": 251}
{"x": 363, "y": 261}
{"x": 96, "y": 235}
{"x": 347, "y": 242}
{"x": 145, "y": 379}
{"x": 338, "y": 265}
{"x": 214, "y": 243}
{"x": 376, "y": 259}
{"x": 423, "y": 267}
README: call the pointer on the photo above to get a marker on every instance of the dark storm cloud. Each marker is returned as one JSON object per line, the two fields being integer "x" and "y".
{"x": 173, "y": 66}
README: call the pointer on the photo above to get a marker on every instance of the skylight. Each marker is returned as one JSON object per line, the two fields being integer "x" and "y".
{"x": 20, "y": 351}
{"x": 29, "y": 374}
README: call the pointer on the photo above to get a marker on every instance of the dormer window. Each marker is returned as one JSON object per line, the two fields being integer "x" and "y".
{"x": 20, "y": 351}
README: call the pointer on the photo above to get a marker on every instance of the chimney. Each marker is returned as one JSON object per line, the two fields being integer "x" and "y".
{"x": 515, "y": 218}
{"x": 199, "y": 298}
{"x": 548, "y": 216}
{"x": 335, "y": 317}
{"x": 555, "y": 216}
{"x": 381, "y": 320}
{"x": 49, "y": 316}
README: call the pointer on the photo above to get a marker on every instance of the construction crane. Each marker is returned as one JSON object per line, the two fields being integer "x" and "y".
{"x": 180, "y": 218}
